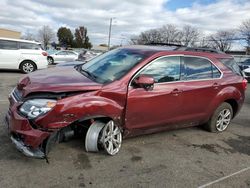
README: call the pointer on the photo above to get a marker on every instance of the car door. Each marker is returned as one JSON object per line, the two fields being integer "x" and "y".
{"x": 159, "y": 106}
{"x": 60, "y": 57}
{"x": 71, "y": 56}
{"x": 202, "y": 84}
{"x": 9, "y": 54}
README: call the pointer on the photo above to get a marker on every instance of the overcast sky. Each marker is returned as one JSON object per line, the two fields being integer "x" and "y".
{"x": 130, "y": 16}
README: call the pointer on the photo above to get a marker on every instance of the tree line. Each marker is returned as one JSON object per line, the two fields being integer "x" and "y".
{"x": 193, "y": 37}
{"x": 64, "y": 35}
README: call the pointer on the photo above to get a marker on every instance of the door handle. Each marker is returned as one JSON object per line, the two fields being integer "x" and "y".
{"x": 216, "y": 85}
{"x": 176, "y": 92}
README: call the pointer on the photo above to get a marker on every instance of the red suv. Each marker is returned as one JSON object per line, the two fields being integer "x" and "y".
{"x": 125, "y": 92}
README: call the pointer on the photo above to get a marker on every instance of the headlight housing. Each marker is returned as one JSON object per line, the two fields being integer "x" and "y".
{"x": 35, "y": 107}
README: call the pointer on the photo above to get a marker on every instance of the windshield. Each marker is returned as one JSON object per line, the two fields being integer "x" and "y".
{"x": 112, "y": 65}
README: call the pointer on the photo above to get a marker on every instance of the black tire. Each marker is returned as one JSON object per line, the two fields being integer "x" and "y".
{"x": 50, "y": 60}
{"x": 217, "y": 123}
{"x": 27, "y": 67}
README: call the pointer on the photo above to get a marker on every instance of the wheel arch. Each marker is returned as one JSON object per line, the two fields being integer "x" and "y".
{"x": 26, "y": 60}
{"x": 230, "y": 95}
{"x": 234, "y": 105}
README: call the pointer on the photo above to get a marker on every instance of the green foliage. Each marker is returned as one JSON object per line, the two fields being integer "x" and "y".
{"x": 81, "y": 38}
{"x": 65, "y": 37}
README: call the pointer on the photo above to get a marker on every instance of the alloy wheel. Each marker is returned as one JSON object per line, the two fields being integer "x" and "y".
{"x": 111, "y": 138}
{"x": 223, "y": 120}
{"x": 28, "y": 67}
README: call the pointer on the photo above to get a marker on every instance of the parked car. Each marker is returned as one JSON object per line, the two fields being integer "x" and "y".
{"x": 125, "y": 92}
{"x": 247, "y": 74}
{"x": 87, "y": 55}
{"x": 70, "y": 64}
{"x": 245, "y": 64}
{"x": 24, "y": 55}
{"x": 62, "y": 56}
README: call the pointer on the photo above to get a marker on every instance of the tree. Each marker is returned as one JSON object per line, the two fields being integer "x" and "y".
{"x": 81, "y": 38}
{"x": 245, "y": 31}
{"x": 170, "y": 34}
{"x": 166, "y": 34}
{"x": 189, "y": 35}
{"x": 221, "y": 40}
{"x": 45, "y": 34}
{"x": 28, "y": 36}
{"x": 65, "y": 36}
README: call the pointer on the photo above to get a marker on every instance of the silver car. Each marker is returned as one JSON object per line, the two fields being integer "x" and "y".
{"x": 62, "y": 56}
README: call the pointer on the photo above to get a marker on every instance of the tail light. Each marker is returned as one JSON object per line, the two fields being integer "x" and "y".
{"x": 244, "y": 84}
{"x": 44, "y": 53}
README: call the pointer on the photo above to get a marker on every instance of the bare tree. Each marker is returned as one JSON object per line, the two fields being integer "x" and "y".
{"x": 146, "y": 37}
{"x": 245, "y": 31}
{"x": 28, "y": 36}
{"x": 221, "y": 40}
{"x": 46, "y": 34}
{"x": 166, "y": 34}
{"x": 189, "y": 35}
{"x": 170, "y": 34}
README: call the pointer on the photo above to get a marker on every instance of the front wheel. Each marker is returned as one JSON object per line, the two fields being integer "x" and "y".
{"x": 221, "y": 118}
{"x": 50, "y": 60}
{"x": 111, "y": 138}
{"x": 107, "y": 136}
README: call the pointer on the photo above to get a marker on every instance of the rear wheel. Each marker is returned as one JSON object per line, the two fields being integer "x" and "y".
{"x": 221, "y": 118}
{"x": 27, "y": 67}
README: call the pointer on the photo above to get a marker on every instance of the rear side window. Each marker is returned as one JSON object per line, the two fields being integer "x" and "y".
{"x": 62, "y": 53}
{"x": 8, "y": 45}
{"x": 30, "y": 46}
{"x": 197, "y": 68}
{"x": 231, "y": 64}
{"x": 71, "y": 53}
{"x": 165, "y": 69}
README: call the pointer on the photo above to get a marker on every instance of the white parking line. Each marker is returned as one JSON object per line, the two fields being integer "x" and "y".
{"x": 225, "y": 177}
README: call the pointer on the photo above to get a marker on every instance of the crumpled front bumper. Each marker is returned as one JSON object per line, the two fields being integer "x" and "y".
{"x": 27, "y": 151}
{"x": 26, "y": 139}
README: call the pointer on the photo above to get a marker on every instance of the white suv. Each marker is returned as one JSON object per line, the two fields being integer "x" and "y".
{"x": 25, "y": 55}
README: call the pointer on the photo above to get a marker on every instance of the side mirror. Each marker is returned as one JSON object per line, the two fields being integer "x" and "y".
{"x": 144, "y": 81}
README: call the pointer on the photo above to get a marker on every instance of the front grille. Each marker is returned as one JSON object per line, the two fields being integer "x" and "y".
{"x": 16, "y": 94}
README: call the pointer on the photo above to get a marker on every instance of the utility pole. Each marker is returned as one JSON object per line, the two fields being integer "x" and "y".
{"x": 110, "y": 26}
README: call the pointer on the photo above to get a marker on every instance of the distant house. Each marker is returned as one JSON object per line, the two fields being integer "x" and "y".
{"x": 10, "y": 33}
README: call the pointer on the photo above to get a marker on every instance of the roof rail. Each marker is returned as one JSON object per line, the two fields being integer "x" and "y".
{"x": 195, "y": 49}
{"x": 164, "y": 44}
{"x": 186, "y": 48}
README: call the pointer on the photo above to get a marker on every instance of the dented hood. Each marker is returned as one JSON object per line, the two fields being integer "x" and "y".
{"x": 56, "y": 80}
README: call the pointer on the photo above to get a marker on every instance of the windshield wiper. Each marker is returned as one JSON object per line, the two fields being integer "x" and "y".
{"x": 89, "y": 74}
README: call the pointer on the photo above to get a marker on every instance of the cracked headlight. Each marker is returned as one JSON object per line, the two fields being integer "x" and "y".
{"x": 35, "y": 107}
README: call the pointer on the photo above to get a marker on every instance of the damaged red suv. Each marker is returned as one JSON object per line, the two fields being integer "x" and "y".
{"x": 125, "y": 92}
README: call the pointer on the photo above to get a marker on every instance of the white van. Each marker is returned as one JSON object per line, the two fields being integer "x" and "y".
{"x": 25, "y": 55}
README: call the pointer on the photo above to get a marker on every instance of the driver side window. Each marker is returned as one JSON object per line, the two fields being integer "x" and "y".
{"x": 166, "y": 69}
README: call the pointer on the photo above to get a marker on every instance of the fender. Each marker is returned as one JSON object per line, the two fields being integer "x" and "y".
{"x": 78, "y": 107}
{"x": 226, "y": 93}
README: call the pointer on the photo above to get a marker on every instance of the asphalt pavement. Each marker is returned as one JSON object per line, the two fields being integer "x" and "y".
{"x": 189, "y": 157}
